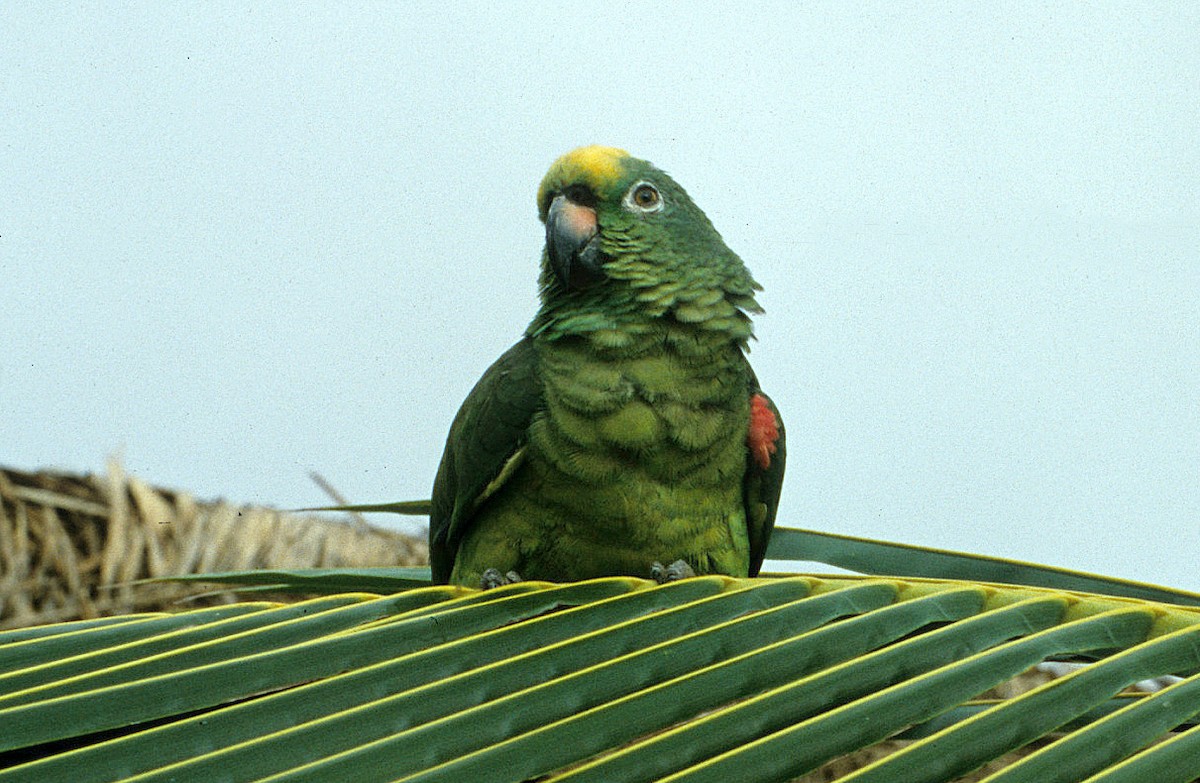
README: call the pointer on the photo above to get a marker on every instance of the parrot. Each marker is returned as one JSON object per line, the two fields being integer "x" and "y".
{"x": 626, "y": 428}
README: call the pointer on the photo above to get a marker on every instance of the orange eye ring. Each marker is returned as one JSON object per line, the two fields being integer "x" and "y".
{"x": 644, "y": 197}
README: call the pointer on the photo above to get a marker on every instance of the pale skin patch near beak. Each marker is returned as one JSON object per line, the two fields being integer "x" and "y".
{"x": 579, "y": 220}
{"x": 571, "y": 243}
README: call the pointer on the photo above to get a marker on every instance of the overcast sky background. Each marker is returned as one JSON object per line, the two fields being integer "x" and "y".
{"x": 241, "y": 243}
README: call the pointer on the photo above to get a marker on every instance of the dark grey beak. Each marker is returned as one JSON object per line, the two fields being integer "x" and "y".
{"x": 573, "y": 243}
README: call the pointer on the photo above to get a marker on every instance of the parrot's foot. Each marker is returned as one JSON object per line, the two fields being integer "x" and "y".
{"x": 493, "y": 578}
{"x": 674, "y": 572}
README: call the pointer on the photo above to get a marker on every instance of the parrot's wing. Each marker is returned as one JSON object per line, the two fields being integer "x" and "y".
{"x": 485, "y": 445}
{"x": 763, "y": 483}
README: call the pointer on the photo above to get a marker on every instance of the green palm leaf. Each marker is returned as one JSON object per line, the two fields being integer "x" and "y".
{"x": 861, "y": 555}
{"x": 609, "y": 680}
{"x": 869, "y": 556}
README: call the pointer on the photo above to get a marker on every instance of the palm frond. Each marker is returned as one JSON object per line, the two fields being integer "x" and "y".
{"x": 707, "y": 679}
{"x": 870, "y": 556}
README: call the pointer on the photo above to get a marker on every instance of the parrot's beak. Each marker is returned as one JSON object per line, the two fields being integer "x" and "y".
{"x": 573, "y": 243}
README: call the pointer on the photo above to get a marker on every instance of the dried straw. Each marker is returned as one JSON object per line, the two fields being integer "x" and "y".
{"x": 71, "y": 545}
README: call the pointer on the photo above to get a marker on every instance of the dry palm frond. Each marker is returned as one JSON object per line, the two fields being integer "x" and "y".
{"x": 70, "y": 545}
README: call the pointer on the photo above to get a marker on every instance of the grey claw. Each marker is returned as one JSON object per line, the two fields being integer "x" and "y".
{"x": 493, "y": 578}
{"x": 672, "y": 573}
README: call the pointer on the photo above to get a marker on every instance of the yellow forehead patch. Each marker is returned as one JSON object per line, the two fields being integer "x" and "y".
{"x": 595, "y": 166}
{"x": 595, "y": 163}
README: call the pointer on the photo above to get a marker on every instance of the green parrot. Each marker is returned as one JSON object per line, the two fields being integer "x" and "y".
{"x": 626, "y": 429}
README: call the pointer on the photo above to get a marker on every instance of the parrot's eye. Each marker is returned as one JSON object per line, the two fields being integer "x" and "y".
{"x": 644, "y": 197}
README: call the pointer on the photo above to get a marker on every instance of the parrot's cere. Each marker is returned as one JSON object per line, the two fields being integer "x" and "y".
{"x": 626, "y": 429}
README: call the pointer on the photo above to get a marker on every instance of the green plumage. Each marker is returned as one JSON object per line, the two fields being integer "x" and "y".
{"x": 615, "y": 433}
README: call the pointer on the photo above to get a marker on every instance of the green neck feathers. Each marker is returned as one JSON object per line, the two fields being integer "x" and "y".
{"x": 662, "y": 267}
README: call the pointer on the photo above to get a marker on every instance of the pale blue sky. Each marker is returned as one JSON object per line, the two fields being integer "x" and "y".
{"x": 239, "y": 243}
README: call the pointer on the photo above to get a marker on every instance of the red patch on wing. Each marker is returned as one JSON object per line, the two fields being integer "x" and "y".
{"x": 764, "y": 431}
